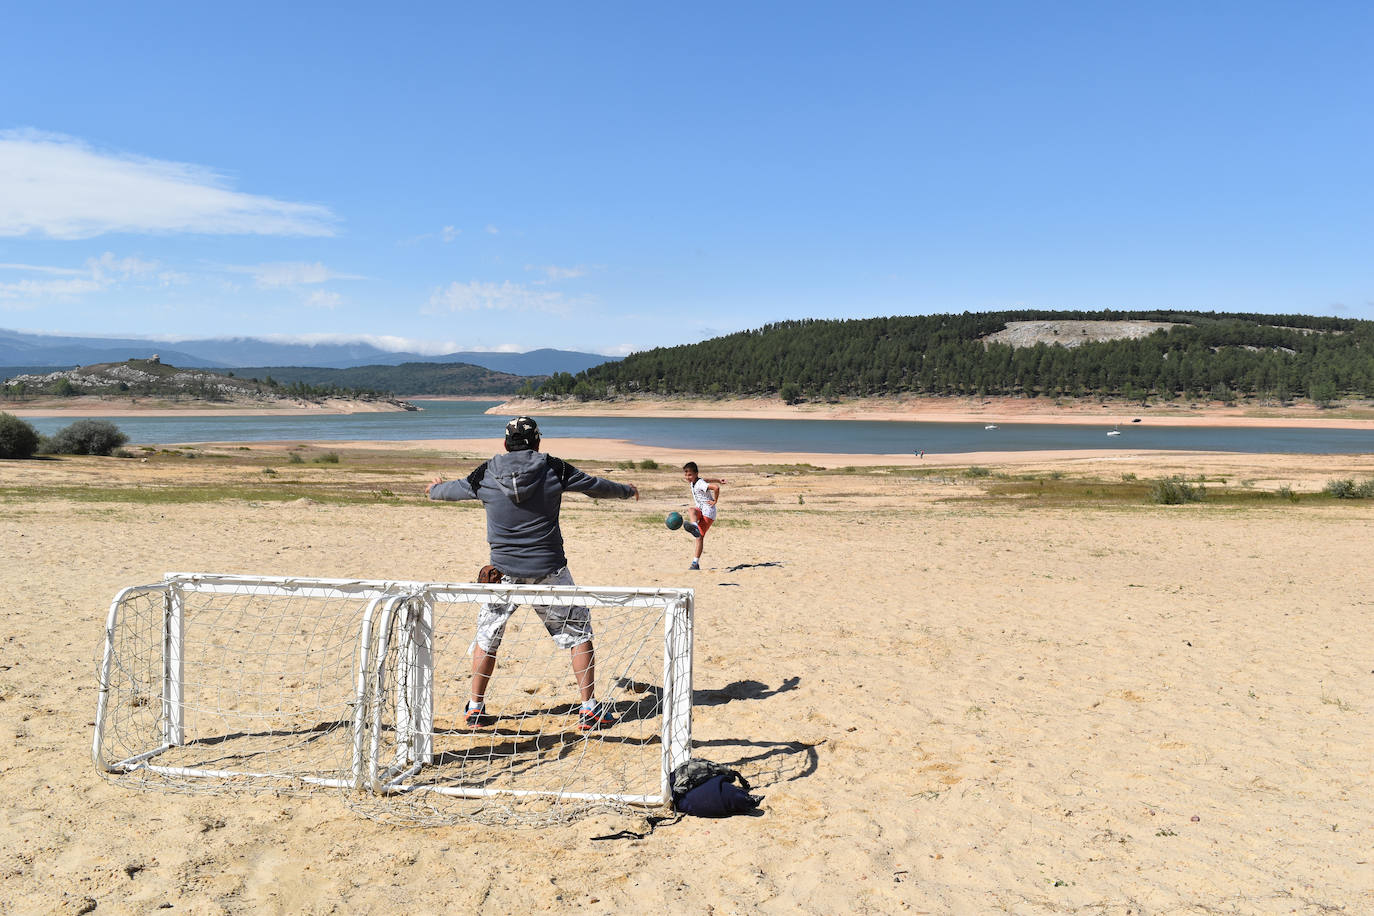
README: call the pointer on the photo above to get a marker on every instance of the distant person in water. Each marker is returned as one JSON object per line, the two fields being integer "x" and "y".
{"x": 702, "y": 515}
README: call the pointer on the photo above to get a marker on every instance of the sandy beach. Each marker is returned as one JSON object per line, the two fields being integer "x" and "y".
{"x": 1026, "y": 692}
{"x": 1353, "y": 414}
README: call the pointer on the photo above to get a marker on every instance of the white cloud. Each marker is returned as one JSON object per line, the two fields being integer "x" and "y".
{"x": 492, "y": 230}
{"x": 323, "y": 299}
{"x": 107, "y": 267}
{"x": 554, "y": 272}
{"x": 99, "y": 274}
{"x": 289, "y": 274}
{"x": 451, "y": 233}
{"x": 29, "y": 293}
{"x": 57, "y": 186}
{"x": 43, "y": 269}
{"x": 499, "y": 297}
{"x": 389, "y": 343}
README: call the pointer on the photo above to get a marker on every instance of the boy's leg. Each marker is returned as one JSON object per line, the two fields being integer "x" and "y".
{"x": 703, "y": 525}
{"x": 693, "y": 524}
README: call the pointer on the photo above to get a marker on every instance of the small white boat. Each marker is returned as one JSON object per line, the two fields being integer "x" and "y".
{"x": 990, "y": 426}
{"x": 1114, "y": 432}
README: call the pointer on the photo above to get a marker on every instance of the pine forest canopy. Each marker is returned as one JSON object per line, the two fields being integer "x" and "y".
{"x": 1198, "y": 354}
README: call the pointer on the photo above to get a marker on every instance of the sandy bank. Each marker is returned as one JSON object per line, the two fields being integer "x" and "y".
{"x": 964, "y": 410}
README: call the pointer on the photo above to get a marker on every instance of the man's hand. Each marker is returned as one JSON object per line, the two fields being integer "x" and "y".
{"x": 635, "y": 490}
{"x": 432, "y": 484}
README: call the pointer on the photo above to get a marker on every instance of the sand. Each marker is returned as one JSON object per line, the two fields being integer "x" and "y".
{"x": 1083, "y": 411}
{"x": 952, "y": 703}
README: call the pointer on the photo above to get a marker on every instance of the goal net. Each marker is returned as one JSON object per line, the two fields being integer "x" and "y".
{"x": 222, "y": 682}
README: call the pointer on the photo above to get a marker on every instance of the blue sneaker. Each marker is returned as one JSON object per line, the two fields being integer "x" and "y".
{"x": 695, "y": 565}
{"x": 599, "y": 716}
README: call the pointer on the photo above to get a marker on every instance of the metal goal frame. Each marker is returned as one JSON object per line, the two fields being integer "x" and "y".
{"x": 387, "y": 602}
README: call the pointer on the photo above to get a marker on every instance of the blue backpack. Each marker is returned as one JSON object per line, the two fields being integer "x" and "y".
{"x": 705, "y": 789}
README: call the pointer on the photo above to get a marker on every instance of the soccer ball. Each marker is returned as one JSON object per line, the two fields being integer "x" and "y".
{"x": 673, "y": 521}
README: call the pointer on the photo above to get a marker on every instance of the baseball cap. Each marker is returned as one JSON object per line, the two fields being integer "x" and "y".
{"x": 522, "y": 433}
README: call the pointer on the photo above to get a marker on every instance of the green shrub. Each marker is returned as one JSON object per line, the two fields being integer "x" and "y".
{"x": 327, "y": 458}
{"x": 87, "y": 437}
{"x": 1349, "y": 489}
{"x": 976, "y": 471}
{"x": 1286, "y": 492}
{"x": 1341, "y": 489}
{"x": 18, "y": 438}
{"x": 649, "y": 464}
{"x": 625, "y": 465}
{"x": 1174, "y": 491}
{"x": 295, "y": 458}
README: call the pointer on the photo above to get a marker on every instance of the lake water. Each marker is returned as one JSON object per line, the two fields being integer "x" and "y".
{"x": 466, "y": 420}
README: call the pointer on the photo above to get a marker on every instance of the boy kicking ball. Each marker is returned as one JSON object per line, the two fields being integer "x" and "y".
{"x": 700, "y": 517}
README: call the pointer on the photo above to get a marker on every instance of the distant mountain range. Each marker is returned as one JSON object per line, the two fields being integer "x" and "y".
{"x": 29, "y": 352}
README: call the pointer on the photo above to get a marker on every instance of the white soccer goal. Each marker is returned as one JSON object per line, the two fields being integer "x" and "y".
{"x": 220, "y": 681}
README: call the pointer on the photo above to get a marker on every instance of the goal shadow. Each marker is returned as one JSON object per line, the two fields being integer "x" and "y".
{"x": 766, "y": 763}
{"x": 737, "y": 690}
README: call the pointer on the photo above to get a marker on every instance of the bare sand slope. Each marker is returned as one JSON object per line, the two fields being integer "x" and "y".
{"x": 951, "y": 707}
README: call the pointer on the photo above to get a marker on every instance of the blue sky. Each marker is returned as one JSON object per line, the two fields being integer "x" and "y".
{"x": 613, "y": 177}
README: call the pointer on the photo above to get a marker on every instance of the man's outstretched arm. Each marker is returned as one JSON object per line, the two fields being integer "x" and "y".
{"x": 463, "y": 488}
{"x": 449, "y": 489}
{"x": 596, "y": 487}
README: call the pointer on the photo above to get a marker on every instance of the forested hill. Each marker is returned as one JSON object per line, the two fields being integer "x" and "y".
{"x": 407, "y": 379}
{"x": 1203, "y": 354}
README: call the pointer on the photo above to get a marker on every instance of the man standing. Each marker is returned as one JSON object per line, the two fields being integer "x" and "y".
{"x": 700, "y": 517}
{"x": 522, "y": 492}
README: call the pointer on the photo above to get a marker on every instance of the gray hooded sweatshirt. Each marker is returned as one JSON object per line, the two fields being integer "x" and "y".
{"x": 522, "y": 493}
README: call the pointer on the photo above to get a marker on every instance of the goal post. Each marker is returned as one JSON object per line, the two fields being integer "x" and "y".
{"x": 360, "y": 685}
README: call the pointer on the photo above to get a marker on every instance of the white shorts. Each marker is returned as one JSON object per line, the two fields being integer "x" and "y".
{"x": 568, "y": 625}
